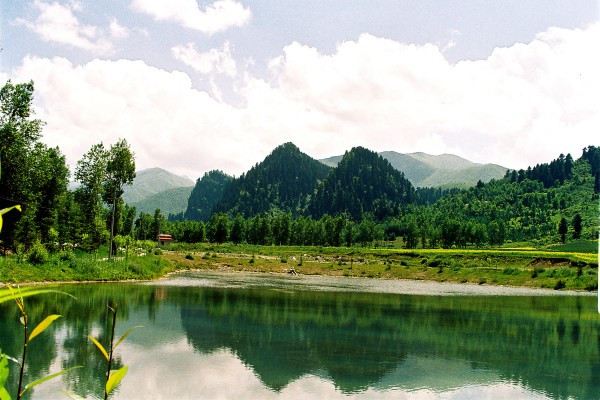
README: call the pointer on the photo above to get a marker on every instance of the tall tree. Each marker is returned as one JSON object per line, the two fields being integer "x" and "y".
{"x": 18, "y": 135}
{"x": 577, "y": 226}
{"x": 562, "y": 229}
{"x": 91, "y": 173}
{"x": 120, "y": 171}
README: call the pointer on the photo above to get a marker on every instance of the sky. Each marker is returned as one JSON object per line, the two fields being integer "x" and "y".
{"x": 197, "y": 85}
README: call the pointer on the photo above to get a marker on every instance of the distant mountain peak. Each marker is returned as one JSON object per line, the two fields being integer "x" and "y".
{"x": 443, "y": 170}
{"x": 151, "y": 181}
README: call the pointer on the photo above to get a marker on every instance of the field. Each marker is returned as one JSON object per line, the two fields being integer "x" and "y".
{"x": 514, "y": 267}
{"x": 519, "y": 266}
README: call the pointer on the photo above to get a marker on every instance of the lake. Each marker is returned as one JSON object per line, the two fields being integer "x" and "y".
{"x": 242, "y": 336}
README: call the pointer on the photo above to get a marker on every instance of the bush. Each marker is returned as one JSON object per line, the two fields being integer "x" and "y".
{"x": 65, "y": 255}
{"x": 157, "y": 252}
{"x": 283, "y": 260}
{"x": 559, "y": 285}
{"x": 188, "y": 256}
{"x": 37, "y": 254}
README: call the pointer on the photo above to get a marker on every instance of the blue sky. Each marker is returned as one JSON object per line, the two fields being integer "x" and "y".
{"x": 197, "y": 85}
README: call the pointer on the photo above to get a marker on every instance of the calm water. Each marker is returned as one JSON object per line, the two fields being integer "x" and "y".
{"x": 239, "y": 337}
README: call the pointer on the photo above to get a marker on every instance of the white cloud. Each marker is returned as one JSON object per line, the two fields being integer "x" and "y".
{"x": 117, "y": 30}
{"x": 215, "y": 17}
{"x": 57, "y": 23}
{"x": 522, "y": 105}
{"x": 214, "y": 61}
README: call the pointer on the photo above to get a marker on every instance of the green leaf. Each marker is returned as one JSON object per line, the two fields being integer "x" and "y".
{"x": 9, "y": 358}
{"x": 4, "y": 394}
{"x": 43, "y": 325}
{"x": 12, "y": 294}
{"x": 46, "y": 378}
{"x": 5, "y": 210}
{"x": 126, "y": 334}
{"x": 115, "y": 378}
{"x": 100, "y": 347}
{"x": 17, "y": 298}
{"x": 3, "y": 370}
{"x": 72, "y": 395}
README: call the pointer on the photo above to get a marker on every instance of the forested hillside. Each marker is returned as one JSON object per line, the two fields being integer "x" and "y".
{"x": 364, "y": 204}
{"x": 207, "y": 192}
{"x": 170, "y": 201}
{"x": 363, "y": 182}
{"x": 289, "y": 198}
{"x": 283, "y": 181}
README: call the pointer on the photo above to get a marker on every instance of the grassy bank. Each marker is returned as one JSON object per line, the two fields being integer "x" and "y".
{"x": 507, "y": 266}
{"x": 83, "y": 267}
{"x": 514, "y": 267}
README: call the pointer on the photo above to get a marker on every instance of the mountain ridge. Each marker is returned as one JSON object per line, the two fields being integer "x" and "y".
{"x": 444, "y": 170}
{"x": 151, "y": 181}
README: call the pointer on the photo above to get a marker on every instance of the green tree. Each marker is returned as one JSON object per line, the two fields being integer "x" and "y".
{"x": 577, "y": 226}
{"x": 19, "y": 134}
{"x": 91, "y": 172}
{"x": 562, "y": 229}
{"x": 238, "y": 230}
{"x": 120, "y": 171}
{"x": 157, "y": 223}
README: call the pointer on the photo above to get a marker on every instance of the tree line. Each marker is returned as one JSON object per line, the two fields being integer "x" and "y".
{"x": 362, "y": 201}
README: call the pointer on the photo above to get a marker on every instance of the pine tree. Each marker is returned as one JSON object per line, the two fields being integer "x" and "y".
{"x": 562, "y": 229}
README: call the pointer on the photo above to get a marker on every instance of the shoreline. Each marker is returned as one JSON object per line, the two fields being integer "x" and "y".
{"x": 283, "y": 280}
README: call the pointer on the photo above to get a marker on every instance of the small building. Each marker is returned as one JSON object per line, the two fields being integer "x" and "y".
{"x": 164, "y": 239}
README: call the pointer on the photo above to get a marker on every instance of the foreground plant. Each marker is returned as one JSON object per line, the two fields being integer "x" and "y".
{"x": 17, "y": 295}
{"x": 112, "y": 379}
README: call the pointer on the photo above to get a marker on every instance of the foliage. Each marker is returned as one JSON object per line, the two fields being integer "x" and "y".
{"x": 362, "y": 182}
{"x": 37, "y": 254}
{"x": 207, "y": 192}
{"x": 284, "y": 181}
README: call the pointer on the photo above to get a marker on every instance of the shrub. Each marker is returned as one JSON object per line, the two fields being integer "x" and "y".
{"x": 559, "y": 285}
{"x": 157, "y": 252}
{"x": 283, "y": 260}
{"x": 65, "y": 255}
{"x": 404, "y": 263}
{"x": 188, "y": 256}
{"x": 37, "y": 254}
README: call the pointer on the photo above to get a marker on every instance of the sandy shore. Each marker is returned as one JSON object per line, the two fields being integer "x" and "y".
{"x": 282, "y": 281}
{"x": 235, "y": 279}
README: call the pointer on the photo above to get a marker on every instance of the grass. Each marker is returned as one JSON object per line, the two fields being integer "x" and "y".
{"x": 578, "y": 246}
{"x": 514, "y": 267}
{"x": 520, "y": 266}
{"x": 83, "y": 267}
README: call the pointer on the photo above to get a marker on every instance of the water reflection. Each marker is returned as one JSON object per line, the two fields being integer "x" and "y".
{"x": 203, "y": 342}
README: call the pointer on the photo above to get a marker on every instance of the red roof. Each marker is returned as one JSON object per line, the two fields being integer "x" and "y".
{"x": 162, "y": 236}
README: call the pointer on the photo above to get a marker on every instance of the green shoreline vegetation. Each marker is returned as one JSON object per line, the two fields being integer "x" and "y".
{"x": 520, "y": 267}
{"x": 536, "y": 227}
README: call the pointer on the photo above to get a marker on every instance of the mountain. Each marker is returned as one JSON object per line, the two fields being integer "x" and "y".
{"x": 207, "y": 192}
{"x": 362, "y": 182}
{"x": 445, "y": 170}
{"x": 170, "y": 201}
{"x": 152, "y": 181}
{"x": 284, "y": 180}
